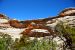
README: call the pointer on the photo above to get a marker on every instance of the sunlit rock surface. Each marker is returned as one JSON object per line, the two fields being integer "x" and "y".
{"x": 39, "y": 27}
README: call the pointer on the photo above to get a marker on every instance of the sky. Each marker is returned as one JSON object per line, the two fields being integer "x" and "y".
{"x": 33, "y": 9}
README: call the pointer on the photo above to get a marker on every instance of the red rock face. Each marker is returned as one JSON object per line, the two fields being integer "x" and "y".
{"x": 38, "y": 24}
{"x": 16, "y": 24}
{"x": 67, "y": 12}
{"x": 31, "y": 33}
{"x": 26, "y": 23}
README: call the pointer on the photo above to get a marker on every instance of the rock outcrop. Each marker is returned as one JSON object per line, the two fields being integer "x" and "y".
{"x": 38, "y": 28}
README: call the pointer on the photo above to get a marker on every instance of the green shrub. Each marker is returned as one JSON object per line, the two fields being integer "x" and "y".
{"x": 67, "y": 31}
{"x": 26, "y": 44}
{"x": 5, "y": 41}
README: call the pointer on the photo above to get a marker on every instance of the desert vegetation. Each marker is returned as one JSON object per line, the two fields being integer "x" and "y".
{"x": 68, "y": 32}
{"x": 24, "y": 43}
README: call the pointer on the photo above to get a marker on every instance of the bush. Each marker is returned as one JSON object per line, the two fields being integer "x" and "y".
{"x": 5, "y": 41}
{"x": 68, "y": 32}
{"x": 26, "y": 44}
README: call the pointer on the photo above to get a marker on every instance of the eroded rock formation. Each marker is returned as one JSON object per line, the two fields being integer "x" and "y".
{"x": 39, "y": 27}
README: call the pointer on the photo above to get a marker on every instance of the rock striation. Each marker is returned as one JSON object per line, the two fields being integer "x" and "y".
{"x": 38, "y": 28}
